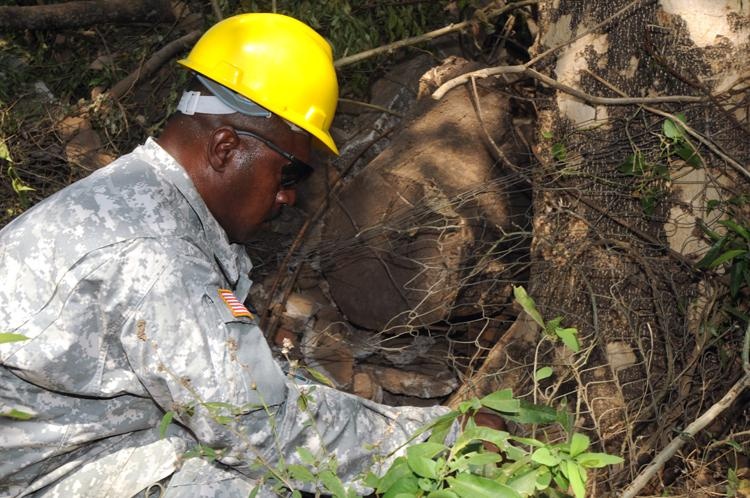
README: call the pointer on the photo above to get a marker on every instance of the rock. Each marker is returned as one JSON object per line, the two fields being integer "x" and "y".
{"x": 300, "y": 307}
{"x": 430, "y": 206}
{"x": 83, "y": 146}
{"x": 86, "y": 150}
{"x": 422, "y": 385}
{"x": 365, "y": 386}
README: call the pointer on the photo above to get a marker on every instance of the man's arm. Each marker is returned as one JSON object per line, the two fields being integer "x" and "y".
{"x": 199, "y": 360}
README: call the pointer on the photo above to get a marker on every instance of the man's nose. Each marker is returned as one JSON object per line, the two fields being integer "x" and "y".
{"x": 287, "y": 196}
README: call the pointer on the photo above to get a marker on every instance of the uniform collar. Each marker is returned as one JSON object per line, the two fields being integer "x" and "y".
{"x": 232, "y": 258}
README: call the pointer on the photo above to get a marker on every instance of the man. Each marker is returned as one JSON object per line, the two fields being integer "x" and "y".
{"x": 129, "y": 284}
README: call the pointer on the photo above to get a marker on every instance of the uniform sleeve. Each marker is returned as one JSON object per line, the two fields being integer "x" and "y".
{"x": 216, "y": 372}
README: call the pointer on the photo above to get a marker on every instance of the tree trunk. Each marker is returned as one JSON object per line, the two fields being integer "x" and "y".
{"x": 85, "y": 13}
{"x": 616, "y": 205}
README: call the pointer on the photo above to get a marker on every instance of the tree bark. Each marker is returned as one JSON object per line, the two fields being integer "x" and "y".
{"x": 605, "y": 239}
{"x": 85, "y": 13}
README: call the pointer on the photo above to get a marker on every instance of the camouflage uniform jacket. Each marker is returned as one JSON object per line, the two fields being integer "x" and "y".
{"x": 122, "y": 284}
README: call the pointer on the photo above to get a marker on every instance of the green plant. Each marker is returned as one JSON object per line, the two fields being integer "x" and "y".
{"x": 520, "y": 467}
{"x": 732, "y": 249}
{"x": 553, "y": 329}
{"x": 652, "y": 174}
{"x": 6, "y": 337}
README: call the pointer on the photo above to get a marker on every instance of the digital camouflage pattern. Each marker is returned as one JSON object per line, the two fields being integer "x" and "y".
{"x": 115, "y": 281}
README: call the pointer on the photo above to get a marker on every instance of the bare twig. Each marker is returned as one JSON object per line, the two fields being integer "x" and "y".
{"x": 592, "y": 99}
{"x": 371, "y": 106}
{"x": 696, "y": 426}
{"x": 494, "y": 149}
{"x": 351, "y": 59}
{"x": 217, "y": 9}
{"x": 153, "y": 64}
{"x": 690, "y": 131}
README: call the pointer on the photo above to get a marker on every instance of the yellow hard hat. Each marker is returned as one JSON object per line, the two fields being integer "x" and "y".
{"x": 278, "y": 62}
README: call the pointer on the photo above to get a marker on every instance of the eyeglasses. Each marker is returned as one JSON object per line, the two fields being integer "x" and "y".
{"x": 291, "y": 174}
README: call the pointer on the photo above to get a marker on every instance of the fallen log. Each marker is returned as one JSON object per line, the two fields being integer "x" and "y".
{"x": 85, "y": 13}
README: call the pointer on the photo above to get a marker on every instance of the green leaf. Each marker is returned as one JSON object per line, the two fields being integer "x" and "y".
{"x": 471, "y": 404}
{"x": 320, "y": 377}
{"x": 709, "y": 233}
{"x": 164, "y": 424}
{"x": 208, "y": 453}
{"x": 4, "y": 152}
{"x": 545, "y": 457}
{"x": 407, "y": 485}
{"x": 576, "y": 479}
{"x": 536, "y": 414}
{"x": 441, "y": 426}
{"x": 543, "y": 373}
{"x": 423, "y": 467}
{"x": 371, "y": 480}
{"x": 688, "y": 154}
{"x": 547, "y": 134}
{"x": 254, "y": 491}
{"x": 529, "y": 441}
{"x": 569, "y": 338}
{"x": 17, "y": 414}
{"x": 648, "y": 203}
{"x": 729, "y": 255}
{"x": 736, "y": 228}
{"x": 479, "y": 459}
{"x": 528, "y": 305}
{"x": 399, "y": 470}
{"x": 501, "y": 401}
{"x": 306, "y": 455}
{"x": 526, "y": 483}
{"x": 514, "y": 453}
{"x": 737, "y": 277}
{"x": 634, "y": 165}
{"x": 442, "y": 493}
{"x": 301, "y": 473}
{"x": 494, "y": 436}
{"x": 218, "y": 406}
{"x": 471, "y": 486}
{"x": 559, "y": 152}
{"x": 560, "y": 479}
{"x": 427, "y": 484}
{"x": 10, "y": 337}
{"x": 597, "y": 460}
{"x": 712, "y": 253}
{"x": 672, "y": 130}
{"x": 578, "y": 444}
{"x": 425, "y": 450}
{"x": 333, "y": 484}
{"x": 543, "y": 479}
{"x": 19, "y": 186}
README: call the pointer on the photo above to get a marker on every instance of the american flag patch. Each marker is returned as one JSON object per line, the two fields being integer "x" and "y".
{"x": 234, "y": 304}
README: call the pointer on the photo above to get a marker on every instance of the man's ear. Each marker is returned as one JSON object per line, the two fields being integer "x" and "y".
{"x": 221, "y": 144}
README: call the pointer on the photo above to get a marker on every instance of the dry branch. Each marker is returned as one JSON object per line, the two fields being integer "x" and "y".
{"x": 85, "y": 13}
{"x": 153, "y": 64}
{"x": 345, "y": 61}
{"x": 695, "y": 427}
